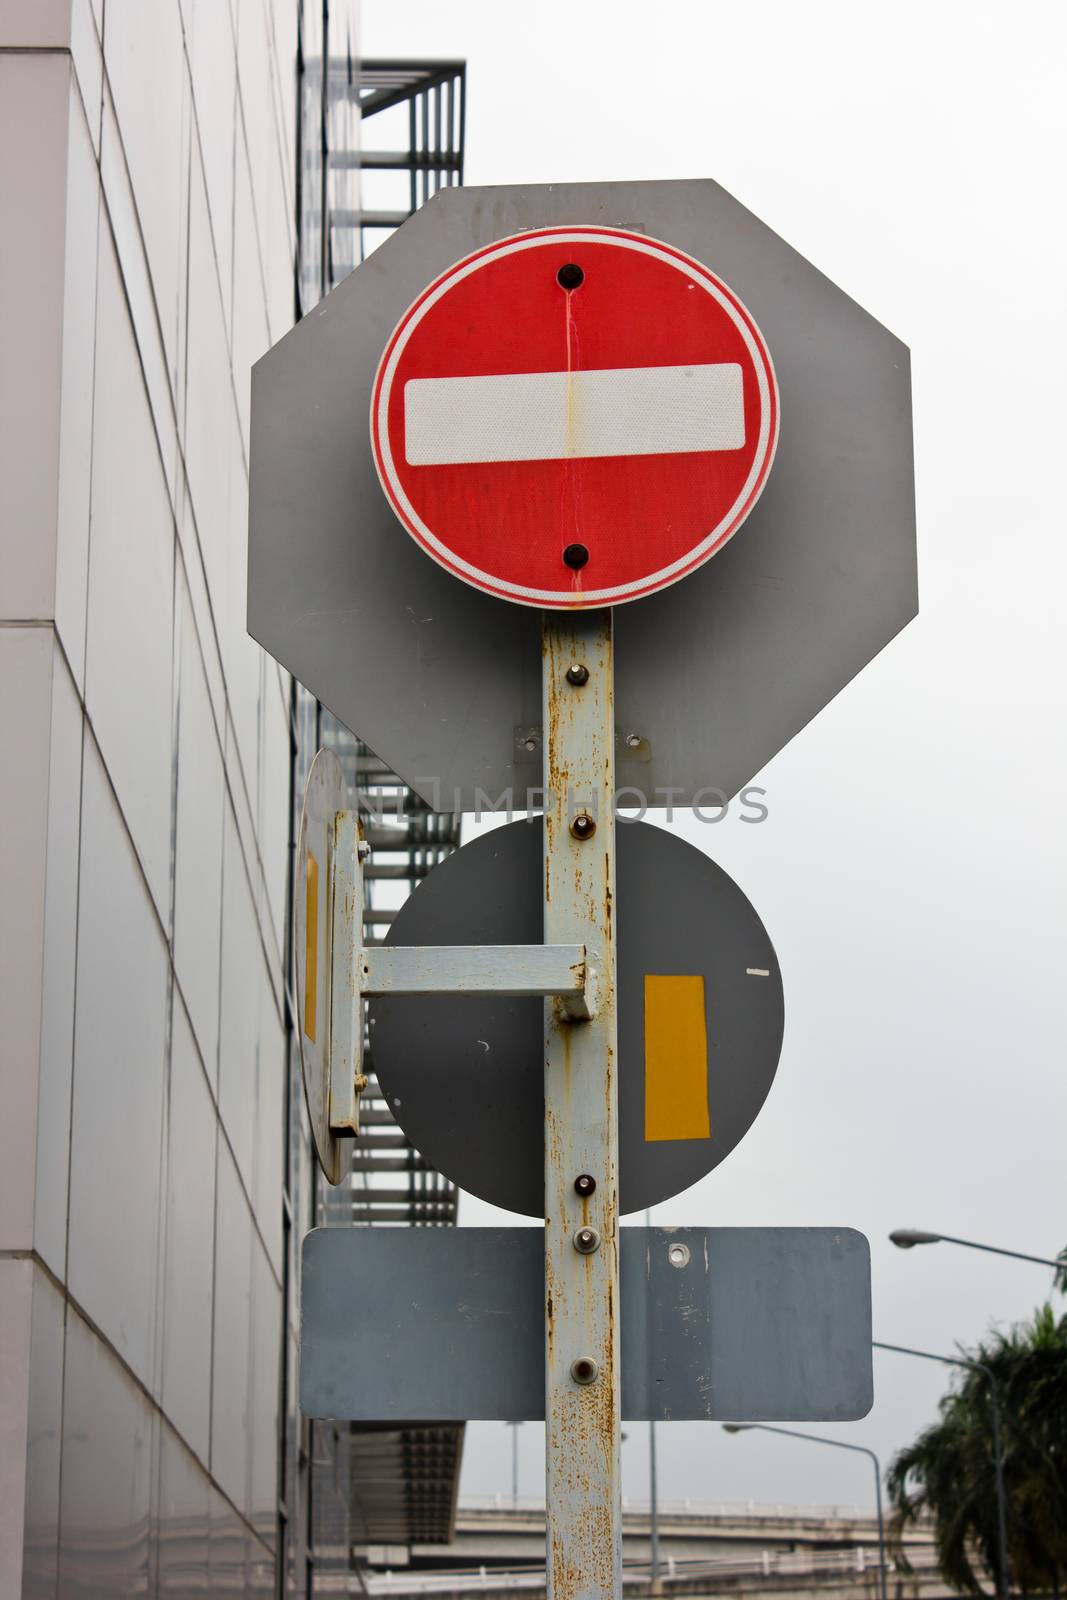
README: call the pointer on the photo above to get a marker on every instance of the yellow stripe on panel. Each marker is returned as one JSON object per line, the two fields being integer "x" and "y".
{"x": 676, "y": 1059}
{"x": 311, "y": 961}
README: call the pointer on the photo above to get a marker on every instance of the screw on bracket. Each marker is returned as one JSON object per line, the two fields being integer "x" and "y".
{"x": 584, "y": 1183}
{"x": 584, "y": 1370}
{"x": 586, "y": 1241}
{"x": 583, "y": 826}
{"x": 578, "y": 675}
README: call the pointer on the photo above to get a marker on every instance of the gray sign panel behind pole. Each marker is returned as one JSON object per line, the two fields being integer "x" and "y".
{"x": 752, "y": 1324}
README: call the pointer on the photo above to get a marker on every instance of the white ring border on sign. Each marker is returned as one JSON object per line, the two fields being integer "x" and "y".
{"x": 660, "y": 250}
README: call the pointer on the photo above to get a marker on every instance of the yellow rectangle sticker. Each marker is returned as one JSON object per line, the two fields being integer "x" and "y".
{"x": 676, "y": 1059}
{"x": 311, "y": 948}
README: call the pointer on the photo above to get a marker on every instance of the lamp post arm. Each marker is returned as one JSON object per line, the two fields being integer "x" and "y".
{"x": 813, "y": 1438}
{"x": 859, "y": 1449}
{"x": 928, "y": 1355}
{"x": 995, "y": 1250}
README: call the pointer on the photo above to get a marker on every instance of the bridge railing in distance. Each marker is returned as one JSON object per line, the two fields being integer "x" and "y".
{"x": 768, "y": 1564}
{"x": 479, "y": 1504}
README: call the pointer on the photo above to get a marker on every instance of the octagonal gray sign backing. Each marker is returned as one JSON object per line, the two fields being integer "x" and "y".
{"x": 715, "y": 674}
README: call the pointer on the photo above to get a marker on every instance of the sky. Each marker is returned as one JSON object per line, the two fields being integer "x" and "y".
{"x": 911, "y": 870}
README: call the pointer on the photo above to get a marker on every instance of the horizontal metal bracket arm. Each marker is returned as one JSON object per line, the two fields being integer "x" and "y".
{"x": 350, "y": 973}
{"x": 530, "y": 970}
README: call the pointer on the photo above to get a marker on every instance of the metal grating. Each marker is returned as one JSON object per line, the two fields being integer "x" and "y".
{"x": 435, "y": 93}
{"x": 428, "y": 157}
{"x": 349, "y": 1487}
{"x": 390, "y": 1182}
{"x": 405, "y": 1483}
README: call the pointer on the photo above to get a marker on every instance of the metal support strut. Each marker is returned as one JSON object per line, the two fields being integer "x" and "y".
{"x": 583, "y": 1496}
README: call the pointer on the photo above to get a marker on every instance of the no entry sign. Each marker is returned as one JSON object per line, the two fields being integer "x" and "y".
{"x": 574, "y": 417}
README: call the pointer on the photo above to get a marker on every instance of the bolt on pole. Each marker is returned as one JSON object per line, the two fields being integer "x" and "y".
{"x": 583, "y": 1467}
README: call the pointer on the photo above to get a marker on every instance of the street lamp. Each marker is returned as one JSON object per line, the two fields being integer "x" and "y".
{"x": 838, "y": 1444}
{"x": 1004, "y": 1575}
{"x": 907, "y": 1238}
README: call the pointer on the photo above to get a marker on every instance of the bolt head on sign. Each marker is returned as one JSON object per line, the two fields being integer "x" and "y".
{"x": 574, "y": 417}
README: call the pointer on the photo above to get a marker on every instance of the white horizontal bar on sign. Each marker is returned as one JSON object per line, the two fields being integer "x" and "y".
{"x": 511, "y": 969}
{"x": 548, "y": 416}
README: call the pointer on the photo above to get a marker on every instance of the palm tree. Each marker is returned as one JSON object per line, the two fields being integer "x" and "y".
{"x": 948, "y": 1471}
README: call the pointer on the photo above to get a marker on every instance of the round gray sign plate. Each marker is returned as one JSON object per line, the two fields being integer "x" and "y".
{"x": 325, "y": 794}
{"x": 464, "y": 1074}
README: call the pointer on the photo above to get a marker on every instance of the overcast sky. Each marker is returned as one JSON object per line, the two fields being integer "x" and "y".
{"x": 911, "y": 871}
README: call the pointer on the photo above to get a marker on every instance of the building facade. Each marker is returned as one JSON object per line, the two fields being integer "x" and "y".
{"x": 148, "y": 171}
{"x": 182, "y": 179}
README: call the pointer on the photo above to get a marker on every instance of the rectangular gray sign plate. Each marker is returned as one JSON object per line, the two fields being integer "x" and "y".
{"x": 443, "y": 1324}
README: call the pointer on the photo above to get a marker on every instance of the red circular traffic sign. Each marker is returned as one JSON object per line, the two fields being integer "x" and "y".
{"x": 574, "y": 417}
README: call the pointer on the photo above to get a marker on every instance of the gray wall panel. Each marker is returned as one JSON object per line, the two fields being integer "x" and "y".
{"x": 182, "y": 1527}
{"x": 117, "y": 1114}
{"x": 189, "y": 1230}
{"x": 232, "y": 1334}
{"x": 105, "y": 1512}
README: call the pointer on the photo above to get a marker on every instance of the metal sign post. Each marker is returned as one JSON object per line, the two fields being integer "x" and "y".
{"x": 582, "y": 1408}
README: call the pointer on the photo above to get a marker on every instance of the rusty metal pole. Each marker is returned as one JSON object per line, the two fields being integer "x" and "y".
{"x": 583, "y": 1468}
